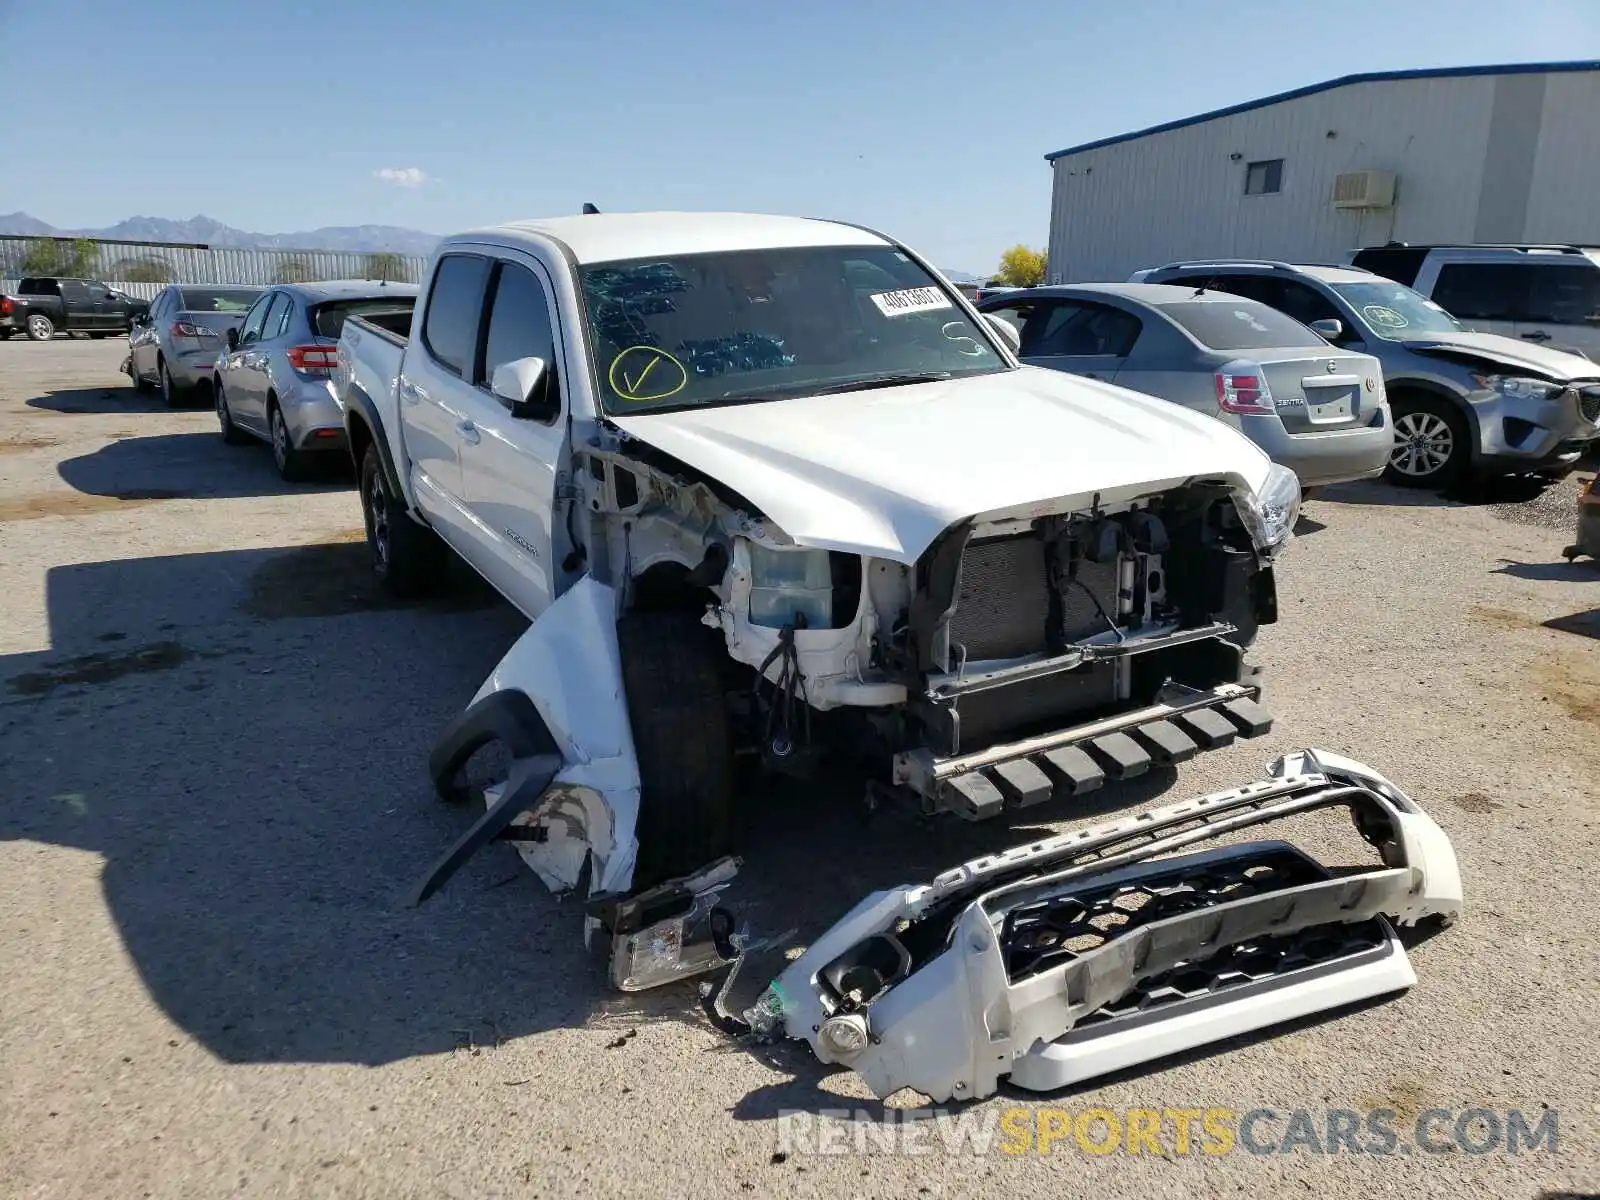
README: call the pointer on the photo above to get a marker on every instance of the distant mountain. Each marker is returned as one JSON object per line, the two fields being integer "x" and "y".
{"x": 356, "y": 238}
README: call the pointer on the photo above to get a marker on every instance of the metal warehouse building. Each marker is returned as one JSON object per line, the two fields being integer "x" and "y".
{"x": 1469, "y": 154}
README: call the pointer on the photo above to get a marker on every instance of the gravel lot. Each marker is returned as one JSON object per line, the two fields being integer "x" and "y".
{"x": 212, "y": 792}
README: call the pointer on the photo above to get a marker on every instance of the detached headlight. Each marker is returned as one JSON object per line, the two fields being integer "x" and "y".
{"x": 790, "y": 587}
{"x": 1517, "y": 387}
{"x": 1270, "y": 514}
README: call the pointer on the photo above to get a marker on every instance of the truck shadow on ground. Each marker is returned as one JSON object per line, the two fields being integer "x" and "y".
{"x": 181, "y": 466}
{"x": 100, "y": 401}
{"x": 243, "y": 737}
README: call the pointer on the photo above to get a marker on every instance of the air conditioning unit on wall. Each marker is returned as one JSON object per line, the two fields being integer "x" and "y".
{"x": 1363, "y": 189}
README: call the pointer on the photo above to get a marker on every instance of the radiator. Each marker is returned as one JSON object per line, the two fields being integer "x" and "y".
{"x": 1003, "y": 604}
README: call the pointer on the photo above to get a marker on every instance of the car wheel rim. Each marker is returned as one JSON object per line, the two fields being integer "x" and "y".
{"x": 280, "y": 439}
{"x": 1423, "y": 443}
{"x": 38, "y": 326}
{"x": 378, "y": 520}
{"x": 166, "y": 383}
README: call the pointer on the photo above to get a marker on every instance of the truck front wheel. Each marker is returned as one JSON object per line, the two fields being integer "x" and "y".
{"x": 408, "y": 559}
{"x": 672, "y": 676}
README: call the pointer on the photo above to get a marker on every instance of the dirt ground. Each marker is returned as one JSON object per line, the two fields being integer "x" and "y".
{"x": 213, "y": 733}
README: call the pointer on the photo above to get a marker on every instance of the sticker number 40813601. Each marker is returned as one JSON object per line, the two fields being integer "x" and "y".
{"x": 911, "y": 300}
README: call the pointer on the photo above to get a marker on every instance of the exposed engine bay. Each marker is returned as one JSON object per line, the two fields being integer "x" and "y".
{"x": 1116, "y": 631}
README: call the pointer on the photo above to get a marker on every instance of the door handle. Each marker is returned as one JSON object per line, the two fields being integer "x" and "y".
{"x": 469, "y": 433}
{"x": 1538, "y": 335}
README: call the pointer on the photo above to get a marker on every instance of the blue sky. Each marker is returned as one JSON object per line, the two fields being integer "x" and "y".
{"x": 929, "y": 120}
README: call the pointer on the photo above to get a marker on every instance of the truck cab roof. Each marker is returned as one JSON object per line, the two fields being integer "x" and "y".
{"x": 607, "y": 237}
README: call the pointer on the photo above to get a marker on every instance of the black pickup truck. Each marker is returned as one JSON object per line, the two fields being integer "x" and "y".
{"x": 42, "y": 307}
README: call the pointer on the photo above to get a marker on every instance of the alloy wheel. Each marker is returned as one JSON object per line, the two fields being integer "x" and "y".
{"x": 1423, "y": 444}
{"x": 378, "y": 519}
{"x": 280, "y": 439}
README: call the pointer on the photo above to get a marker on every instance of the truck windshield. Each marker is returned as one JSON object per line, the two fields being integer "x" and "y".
{"x": 1396, "y": 313}
{"x": 700, "y": 330}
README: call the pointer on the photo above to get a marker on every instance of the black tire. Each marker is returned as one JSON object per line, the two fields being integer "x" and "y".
{"x": 672, "y": 676}
{"x": 170, "y": 392}
{"x": 231, "y": 433}
{"x": 98, "y": 337}
{"x": 1431, "y": 442}
{"x": 293, "y": 465}
{"x": 40, "y": 327}
{"x": 408, "y": 559}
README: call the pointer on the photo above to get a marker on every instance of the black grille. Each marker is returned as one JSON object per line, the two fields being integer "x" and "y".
{"x": 1003, "y": 604}
{"x": 1589, "y": 403}
{"x": 1039, "y": 936}
{"x": 1249, "y": 962}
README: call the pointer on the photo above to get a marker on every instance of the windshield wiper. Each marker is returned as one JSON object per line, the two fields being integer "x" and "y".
{"x": 880, "y": 381}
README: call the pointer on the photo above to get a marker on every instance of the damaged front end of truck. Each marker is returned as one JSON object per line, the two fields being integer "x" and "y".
{"x": 971, "y": 664}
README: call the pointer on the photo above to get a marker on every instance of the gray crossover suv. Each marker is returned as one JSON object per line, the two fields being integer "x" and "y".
{"x": 1315, "y": 409}
{"x": 275, "y": 381}
{"x": 1462, "y": 401}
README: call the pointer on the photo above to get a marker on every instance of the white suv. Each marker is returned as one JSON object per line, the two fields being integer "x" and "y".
{"x": 1544, "y": 294}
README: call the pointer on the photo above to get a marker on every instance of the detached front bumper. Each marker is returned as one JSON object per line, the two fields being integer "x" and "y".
{"x": 1091, "y": 951}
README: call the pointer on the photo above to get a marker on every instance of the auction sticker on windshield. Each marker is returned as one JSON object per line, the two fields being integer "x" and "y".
{"x": 910, "y": 300}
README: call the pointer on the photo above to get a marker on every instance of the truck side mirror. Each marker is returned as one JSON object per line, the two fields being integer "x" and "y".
{"x": 1330, "y": 328}
{"x": 1007, "y": 331}
{"x": 518, "y": 385}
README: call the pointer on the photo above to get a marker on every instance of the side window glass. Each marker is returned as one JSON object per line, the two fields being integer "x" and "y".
{"x": 278, "y": 322}
{"x": 250, "y": 331}
{"x": 1305, "y": 304}
{"x": 1564, "y": 295}
{"x": 1252, "y": 287}
{"x": 1014, "y": 315}
{"x": 73, "y": 292}
{"x": 1114, "y": 332}
{"x": 1483, "y": 291}
{"x": 519, "y": 327}
{"x": 98, "y": 292}
{"x": 274, "y": 316}
{"x": 1045, "y": 331}
{"x": 455, "y": 304}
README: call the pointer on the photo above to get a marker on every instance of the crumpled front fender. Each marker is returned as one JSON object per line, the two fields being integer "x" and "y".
{"x": 557, "y": 695}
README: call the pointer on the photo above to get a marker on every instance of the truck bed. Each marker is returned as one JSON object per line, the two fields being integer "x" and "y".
{"x": 391, "y": 326}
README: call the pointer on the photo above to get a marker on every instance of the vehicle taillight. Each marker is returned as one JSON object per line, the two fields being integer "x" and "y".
{"x": 1242, "y": 388}
{"x": 190, "y": 330}
{"x": 313, "y": 360}
{"x": 6, "y": 306}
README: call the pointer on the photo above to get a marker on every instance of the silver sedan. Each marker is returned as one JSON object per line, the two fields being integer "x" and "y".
{"x": 174, "y": 344}
{"x": 275, "y": 381}
{"x": 1316, "y": 409}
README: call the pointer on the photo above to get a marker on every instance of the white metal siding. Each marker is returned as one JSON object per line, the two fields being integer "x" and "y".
{"x": 1179, "y": 195}
{"x": 1564, "y": 201}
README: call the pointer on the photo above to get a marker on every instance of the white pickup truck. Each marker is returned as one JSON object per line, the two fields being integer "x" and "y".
{"x": 771, "y": 487}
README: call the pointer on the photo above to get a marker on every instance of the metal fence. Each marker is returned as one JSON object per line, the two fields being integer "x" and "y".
{"x": 143, "y": 268}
